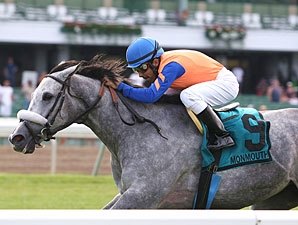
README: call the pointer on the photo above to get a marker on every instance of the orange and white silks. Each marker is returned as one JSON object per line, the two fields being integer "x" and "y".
{"x": 198, "y": 68}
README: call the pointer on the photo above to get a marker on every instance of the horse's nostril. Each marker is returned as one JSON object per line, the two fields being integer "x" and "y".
{"x": 17, "y": 138}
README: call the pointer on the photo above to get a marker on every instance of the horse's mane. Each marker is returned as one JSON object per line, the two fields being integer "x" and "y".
{"x": 101, "y": 66}
{"x": 98, "y": 67}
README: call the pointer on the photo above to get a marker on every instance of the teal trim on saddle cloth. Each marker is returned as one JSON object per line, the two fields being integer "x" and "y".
{"x": 251, "y": 135}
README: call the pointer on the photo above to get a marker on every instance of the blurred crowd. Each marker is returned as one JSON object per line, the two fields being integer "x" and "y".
{"x": 9, "y": 82}
{"x": 276, "y": 92}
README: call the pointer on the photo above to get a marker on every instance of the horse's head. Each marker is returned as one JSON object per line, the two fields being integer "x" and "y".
{"x": 62, "y": 98}
{"x": 38, "y": 123}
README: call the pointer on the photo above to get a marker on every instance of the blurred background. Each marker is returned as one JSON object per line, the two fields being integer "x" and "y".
{"x": 256, "y": 39}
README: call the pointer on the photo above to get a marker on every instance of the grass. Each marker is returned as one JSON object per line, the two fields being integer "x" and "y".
{"x": 55, "y": 192}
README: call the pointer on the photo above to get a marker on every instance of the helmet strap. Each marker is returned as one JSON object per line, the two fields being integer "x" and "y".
{"x": 153, "y": 68}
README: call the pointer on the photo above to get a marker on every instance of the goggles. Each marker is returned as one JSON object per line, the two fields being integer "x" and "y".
{"x": 142, "y": 68}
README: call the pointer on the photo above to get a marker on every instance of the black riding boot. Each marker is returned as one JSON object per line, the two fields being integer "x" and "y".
{"x": 218, "y": 136}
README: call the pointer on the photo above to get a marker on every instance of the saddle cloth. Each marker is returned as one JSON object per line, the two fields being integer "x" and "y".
{"x": 251, "y": 135}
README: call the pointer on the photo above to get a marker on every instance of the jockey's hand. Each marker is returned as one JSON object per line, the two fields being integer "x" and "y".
{"x": 110, "y": 83}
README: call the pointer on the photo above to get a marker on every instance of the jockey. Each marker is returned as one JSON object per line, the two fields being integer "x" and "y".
{"x": 203, "y": 82}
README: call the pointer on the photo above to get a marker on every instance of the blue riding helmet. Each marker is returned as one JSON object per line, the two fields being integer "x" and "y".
{"x": 142, "y": 50}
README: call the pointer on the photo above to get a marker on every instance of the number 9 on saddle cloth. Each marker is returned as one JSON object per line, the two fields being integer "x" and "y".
{"x": 248, "y": 129}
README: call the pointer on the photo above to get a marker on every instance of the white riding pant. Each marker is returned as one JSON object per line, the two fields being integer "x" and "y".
{"x": 214, "y": 93}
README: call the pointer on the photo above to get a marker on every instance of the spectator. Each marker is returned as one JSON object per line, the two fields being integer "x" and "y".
{"x": 275, "y": 91}
{"x": 6, "y": 99}
{"x": 10, "y": 71}
{"x": 261, "y": 88}
{"x": 290, "y": 91}
{"x": 27, "y": 90}
{"x": 290, "y": 94}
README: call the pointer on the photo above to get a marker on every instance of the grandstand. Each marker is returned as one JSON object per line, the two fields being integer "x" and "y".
{"x": 269, "y": 14}
{"x": 49, "y": 31}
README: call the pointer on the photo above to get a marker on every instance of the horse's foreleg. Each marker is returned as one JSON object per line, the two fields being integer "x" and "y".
{"x": 111, "y": 203}
{"x": 135, "y": 199}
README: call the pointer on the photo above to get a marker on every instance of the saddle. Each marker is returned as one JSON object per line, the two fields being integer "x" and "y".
{"x": 248, "y": 129}
{"x": 198, "y": 123}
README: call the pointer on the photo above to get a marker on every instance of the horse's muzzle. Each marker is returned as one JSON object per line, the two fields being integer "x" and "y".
{"x": 22, "y": 139}
{"x": 27, "y": 134}
{"x": 21, "y": 143}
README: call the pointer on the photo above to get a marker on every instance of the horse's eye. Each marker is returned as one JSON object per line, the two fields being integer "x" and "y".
{"x": 47, "y": 96}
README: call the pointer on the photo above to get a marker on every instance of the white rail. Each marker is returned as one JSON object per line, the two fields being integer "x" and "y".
{"x": 148, "y": 217}
{"x": 77, "y": 131}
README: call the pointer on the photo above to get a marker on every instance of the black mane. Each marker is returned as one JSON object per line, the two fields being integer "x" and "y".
{"x": 98, "y": 67}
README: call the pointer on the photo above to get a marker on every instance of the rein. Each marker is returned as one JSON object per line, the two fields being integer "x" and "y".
{"x": 135, "y": 116}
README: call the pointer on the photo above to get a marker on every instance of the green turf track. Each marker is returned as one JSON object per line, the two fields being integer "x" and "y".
{"x": 55, "y": 191}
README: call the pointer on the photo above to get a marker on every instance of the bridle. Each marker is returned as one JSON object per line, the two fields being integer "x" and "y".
{"x": 47, "y": 133}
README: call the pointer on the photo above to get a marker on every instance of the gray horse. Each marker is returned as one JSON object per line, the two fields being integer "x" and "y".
{"x": 149, "y": 170}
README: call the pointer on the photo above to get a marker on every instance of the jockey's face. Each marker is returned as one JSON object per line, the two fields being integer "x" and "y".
{"x": 149, "y": 74}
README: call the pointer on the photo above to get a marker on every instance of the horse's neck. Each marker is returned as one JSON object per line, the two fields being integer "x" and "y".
{"x": 106, "y": 122}
{"x": 107, "y": 125}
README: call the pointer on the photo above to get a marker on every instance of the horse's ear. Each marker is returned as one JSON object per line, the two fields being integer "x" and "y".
{"x": 70, "y": 70}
